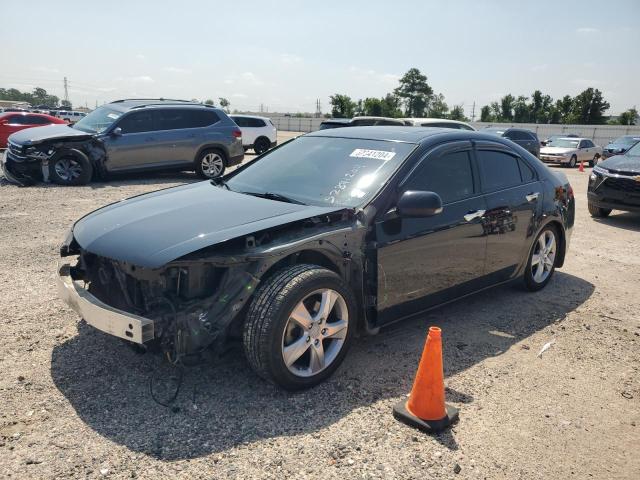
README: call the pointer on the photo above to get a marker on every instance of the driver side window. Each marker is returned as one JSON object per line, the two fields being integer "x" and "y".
{"x": 449, "y": 175}
{"x": 138, "y": 122}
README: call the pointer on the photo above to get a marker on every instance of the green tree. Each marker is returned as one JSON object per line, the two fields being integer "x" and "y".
{"x": 224, "y": 103}
{"x": 391, "y": 106}
{"x": 208, "y": 102}
{"x": 506, "y": 107}
{"x": 629, "y": 117}
{"x": 341, "y": 106}
{"x": 358, "y": 110}
{"x": 485, "y": 114}
{"x": 373, "y": 107}
{"x": 496, "y": 111}
{"x": 563, "y": 108}
{"x": 588, "y": 107}
{"x": 414, "y": 92}
{"x": 457, "y": 113}
{"x": 66, "y": 104}
{"x": 438, "y": 107}
{"x": 521, "y": 109}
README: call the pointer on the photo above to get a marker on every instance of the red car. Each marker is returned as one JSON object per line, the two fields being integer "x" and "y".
{"x": 11, "y": 122}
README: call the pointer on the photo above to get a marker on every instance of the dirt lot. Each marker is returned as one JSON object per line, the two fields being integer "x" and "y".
{"x": 76, "y": 403}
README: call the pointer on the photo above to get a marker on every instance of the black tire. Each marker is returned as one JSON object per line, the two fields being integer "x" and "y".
{"x": 530, "y": 281}
{"x": 71, "y": 170}
{"x": 210, "y": 157}
{"x": 261, "y": 145}
{"x": 268, "y": 317}
{"x": 594, "y": 161}
{"x": 573, "y": 162}
{"x": 598, "y": 212}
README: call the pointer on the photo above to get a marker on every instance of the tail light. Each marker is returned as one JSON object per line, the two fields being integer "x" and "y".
{"x": 237, "y": 133}
{"x": 570, "y": 192}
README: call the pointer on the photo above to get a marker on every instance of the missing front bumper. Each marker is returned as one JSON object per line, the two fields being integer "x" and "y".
{"x": 100, "y": 315}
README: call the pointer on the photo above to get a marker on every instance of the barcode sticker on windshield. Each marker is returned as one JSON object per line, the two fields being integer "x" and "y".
{"x": 375, "y": 154}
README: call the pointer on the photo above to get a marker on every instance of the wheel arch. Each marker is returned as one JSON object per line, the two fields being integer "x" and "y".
{"x": 215, "y": 146}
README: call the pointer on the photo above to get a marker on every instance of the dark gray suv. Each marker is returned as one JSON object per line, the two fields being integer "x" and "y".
{"x": 126, "y": 136}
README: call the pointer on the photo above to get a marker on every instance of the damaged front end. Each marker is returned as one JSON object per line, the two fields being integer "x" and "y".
{"x": 31, "y": 162}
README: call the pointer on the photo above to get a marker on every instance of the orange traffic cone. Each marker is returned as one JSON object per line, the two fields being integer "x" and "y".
{"x": 581, "y": 167}
{"x": 425, "y": 408}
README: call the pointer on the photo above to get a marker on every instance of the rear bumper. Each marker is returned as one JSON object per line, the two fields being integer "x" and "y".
{"x": 235, "y": 160}
{"x": 100, "y": 315}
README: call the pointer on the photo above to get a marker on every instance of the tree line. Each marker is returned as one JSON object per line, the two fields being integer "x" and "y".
{"x": 414, "y": 97}
{"x": 38, "y": 96}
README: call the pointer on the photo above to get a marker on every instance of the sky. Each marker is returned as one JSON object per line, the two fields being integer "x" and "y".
{"x": 284, "y": 55}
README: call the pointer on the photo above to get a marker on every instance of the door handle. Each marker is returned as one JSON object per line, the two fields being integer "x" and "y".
{"x": 532, "y": 196}
{"x": 474, "y": 214}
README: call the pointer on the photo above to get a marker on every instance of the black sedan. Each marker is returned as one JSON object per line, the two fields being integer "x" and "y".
{"x": 332, "y": 233}
{"x": 523, "y": 137}
{"x": 615, "y": 184}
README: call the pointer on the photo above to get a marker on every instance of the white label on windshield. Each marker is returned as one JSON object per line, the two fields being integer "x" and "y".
{"x": 375, "y": 154}
{"x": 115, "y": 116}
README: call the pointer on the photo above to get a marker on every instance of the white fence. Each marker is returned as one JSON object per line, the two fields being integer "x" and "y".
{"x": 600, "y": 134}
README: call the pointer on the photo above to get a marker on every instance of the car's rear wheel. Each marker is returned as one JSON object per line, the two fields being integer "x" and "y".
{"x": 573, "y": 162}
{"x": 598, "y": 212}
{"x": 210, "y": 164}
{"x": 299, "y": 326}
{"x": 594, "y": 160}
{"x": 542, "y": 259}
{"x": 70, "y": 170}
{"x": 261, "y": 145}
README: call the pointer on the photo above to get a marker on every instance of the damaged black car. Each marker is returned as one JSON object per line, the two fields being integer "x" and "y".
{"x": 329, "y": 236}
{"x": 126, "y": 136}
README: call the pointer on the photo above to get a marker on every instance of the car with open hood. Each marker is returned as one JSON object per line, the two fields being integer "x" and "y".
{"x": 571, "y": 151}
{"x": 126, "y": 136}
{"x": 332, "y": 234}
{"x": 614, "y": 184}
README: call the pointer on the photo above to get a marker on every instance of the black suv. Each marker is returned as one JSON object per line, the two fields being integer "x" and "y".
{"x": 126, "y": 136}
{"x": 523, "y": 137}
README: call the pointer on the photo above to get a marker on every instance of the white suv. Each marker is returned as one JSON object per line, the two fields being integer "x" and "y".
{"x": 257, "y": 132}
{"x": 70, "y": 116}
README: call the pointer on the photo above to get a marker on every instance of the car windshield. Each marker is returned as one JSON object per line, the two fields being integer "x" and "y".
{"x": 563, "y": 143}
{"x": 634, "y": 151}
{"x": 98, "y": 120}
{"x": 494, "y": 131}
{"x": 323, "y": 171}
{"x": 625, "y": 141}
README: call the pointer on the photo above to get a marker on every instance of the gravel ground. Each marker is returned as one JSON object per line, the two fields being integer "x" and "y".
{"x": 76, "y": 403}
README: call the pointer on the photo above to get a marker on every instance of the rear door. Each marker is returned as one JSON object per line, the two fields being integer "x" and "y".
{"x": 426, "y": 261}
{"x": 134, "y": 148}
{"x": 513, "y": 195}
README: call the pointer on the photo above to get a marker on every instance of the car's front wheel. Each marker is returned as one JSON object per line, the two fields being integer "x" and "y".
{"x": 542, "y": 259}
{"x": 70, "y": 170}
{"x": 210, "y": 164}
{"x": 573, "y": 162}
{"x": 299, "y": 326}
{"x": 598, "y": 212}
{"x": 594, "y": 160}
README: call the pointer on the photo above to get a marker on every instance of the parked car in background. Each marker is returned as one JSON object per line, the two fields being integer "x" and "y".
{"x": 555, "y": 137}
{"x": 258, "y": 133}
{"x": 571, "y": 151}
{"x": 127, "y": 136}
{"x": 523, "y": 137}
{"x": 437, "y": 122}
{"x": 69, "y": 116}
{"x": 316, "y": 242}
{"x": 13, "y": 122}
{"x": 361, "y": 122}
{"x": 614, "y": 184}
{"x": 620, "y": 145}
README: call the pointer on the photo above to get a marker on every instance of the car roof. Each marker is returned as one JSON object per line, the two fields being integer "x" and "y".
{"x": 405, "y": 134}
{"x": 127, "y": 104}
{"x": 248, "y": 116}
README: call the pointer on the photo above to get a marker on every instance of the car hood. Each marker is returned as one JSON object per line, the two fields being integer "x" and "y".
{"x": 556, "y": 150}
{"x": 35, "y": 135}
{"x": 619, "y": 146}
{"x": 153, "y": 229}
{"x": 622, "y": 163}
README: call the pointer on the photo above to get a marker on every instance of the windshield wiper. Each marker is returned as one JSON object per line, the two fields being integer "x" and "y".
{"x": 219, "y": 182}
{"x": 275, "y": 196}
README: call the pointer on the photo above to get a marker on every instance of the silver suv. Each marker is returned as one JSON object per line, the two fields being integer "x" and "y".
{"x": 126, "y": 136}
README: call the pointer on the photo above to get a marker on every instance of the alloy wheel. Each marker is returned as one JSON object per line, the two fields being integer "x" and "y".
{"x": 543, "y": 256}
{"x": 212, "y": 165}
{"x": 68, "y": 169}
{"x": 315, "y": 332}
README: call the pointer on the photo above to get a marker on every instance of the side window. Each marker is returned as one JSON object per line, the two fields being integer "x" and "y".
{"x": 240, "y": 121}
{"x": 256, "y": 122}
{"x": 517, "y": 135}
{"x": 15, "y": 120}
{"x": 206, "y": 118}
{"x": 35, "y": 120}
{"x": 583, "y": 144}
{"x": 449, "y": 175}
{"x": 171, "y": 119}
{"x": 498, "y": 170}
{"x": 589, "y": 143}
{"x": 526, "y": 172}
{"x": 137, "y": 122}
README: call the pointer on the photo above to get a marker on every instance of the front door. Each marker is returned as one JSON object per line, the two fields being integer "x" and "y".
{"x": 426, "y": 261}
{"x": 513, "y": 194}
{"x": 134, "y": 147}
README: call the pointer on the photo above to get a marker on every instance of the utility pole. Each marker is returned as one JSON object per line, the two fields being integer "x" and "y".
{"x": 318, "y": 109}
{"x": 66, "y": 90}
{"x": 473, "y": 112}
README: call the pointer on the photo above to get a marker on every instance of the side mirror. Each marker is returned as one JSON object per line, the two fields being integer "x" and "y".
{"x": 414, "y": 203}
{"x": 117, "y": 132}
{"x": 4, "y": 121}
